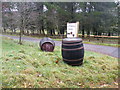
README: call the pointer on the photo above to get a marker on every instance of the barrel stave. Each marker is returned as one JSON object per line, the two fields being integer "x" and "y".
{"x": 73, "y": 51}
{"x": 77, "y": 54}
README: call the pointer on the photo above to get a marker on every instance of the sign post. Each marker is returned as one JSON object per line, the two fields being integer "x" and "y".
{"x": 72, "y": 29}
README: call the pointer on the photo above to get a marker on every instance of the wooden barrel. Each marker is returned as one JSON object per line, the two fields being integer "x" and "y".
{"x": 47, "y": 44}
{"x": 72, "y": 51}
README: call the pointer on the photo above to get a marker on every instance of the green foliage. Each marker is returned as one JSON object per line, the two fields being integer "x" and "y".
{"x": 94, "y": 17}
{"x": 26, "y": 66}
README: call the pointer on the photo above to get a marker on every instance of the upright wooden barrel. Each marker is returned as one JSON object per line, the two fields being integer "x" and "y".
{"x": 47, "y": 44}
{"x": 72, "y": 51}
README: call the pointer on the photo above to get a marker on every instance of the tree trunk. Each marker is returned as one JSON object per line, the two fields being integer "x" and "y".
{"x": 23, "y": 32}
{"x": 20, "y": 41}
{"x": 62, "y": 31}
{"x": 14, "y": 31}
{"x": 39, "y": 30}
{"x": 109, "y": 33}
{"x": 88, "y": 33}
{"x": 43, "y": 27}
{"x": 4, "y": 30}
{"x": 53, "y": 31}
{"x": 43, "y": 31}
{"x": 32, "y": 32}
{"x": 28, "y": 32}
{"x": 83, "y": 31}
{"x": 94, "y": 31}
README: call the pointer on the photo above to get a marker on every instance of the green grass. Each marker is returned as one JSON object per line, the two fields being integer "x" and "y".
{"x": 57, "y": 39}
{"x": 26, "y": 66}
{"x": 104, "y": 44}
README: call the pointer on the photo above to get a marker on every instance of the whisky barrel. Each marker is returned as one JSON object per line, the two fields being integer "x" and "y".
{"x": 72, "y": 51}
{"x": 47, "y": 44}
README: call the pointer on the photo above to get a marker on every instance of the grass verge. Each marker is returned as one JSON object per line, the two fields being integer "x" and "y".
{"x": 26, "y": 66}
{"x": 104, "y": 44}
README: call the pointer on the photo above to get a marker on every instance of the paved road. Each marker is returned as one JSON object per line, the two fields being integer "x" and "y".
{"x": 107, "y": 50}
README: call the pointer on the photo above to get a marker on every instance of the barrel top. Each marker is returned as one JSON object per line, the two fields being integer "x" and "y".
{"x": 74, "y": 39}
{"x": 45, "y": 40}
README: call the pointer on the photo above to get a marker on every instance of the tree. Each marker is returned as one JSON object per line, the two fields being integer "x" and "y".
{"x": 97, "y": 18}
{"x": 8, "y": 19}
{"x": 40, "y": 17}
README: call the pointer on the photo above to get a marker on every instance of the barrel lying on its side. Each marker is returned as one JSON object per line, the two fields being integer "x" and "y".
{"x": 47, "y": 44}
{"x": 72, "y": 51}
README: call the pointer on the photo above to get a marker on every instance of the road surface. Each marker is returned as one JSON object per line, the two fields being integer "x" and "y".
{"x": 107, "y": 50}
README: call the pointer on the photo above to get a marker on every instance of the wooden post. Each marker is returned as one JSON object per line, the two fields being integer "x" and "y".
{"x": 77, "y": 29}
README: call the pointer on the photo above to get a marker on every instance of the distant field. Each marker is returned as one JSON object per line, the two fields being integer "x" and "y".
{"x": 26, "y": 66}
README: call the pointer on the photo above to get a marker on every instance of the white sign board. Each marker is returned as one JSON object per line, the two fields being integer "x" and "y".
{"x": 72, "y": 29}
